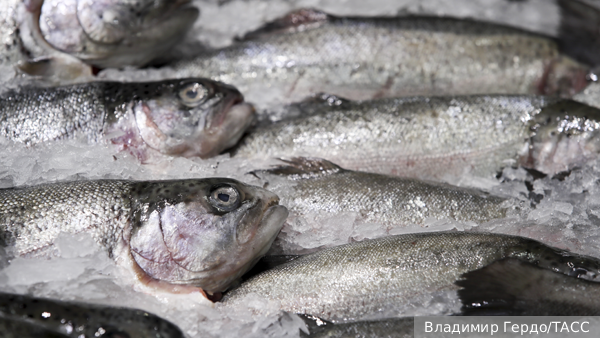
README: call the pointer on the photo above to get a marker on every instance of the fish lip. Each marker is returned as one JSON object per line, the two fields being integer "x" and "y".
{"x": 267, "y": 208}
{"x": 232, "y": 101}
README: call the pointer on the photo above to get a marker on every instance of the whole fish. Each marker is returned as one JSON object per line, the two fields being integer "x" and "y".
{"x": 199, "y": 232}
{"x": 187, "y": 117}
{"x": 514, "y": 288}
{"x": 39, "y": 317}
{"x": 437, "y": 138}
{"x": 64, "y": 37}
{"x": 309, "y": 185}
{"x": 388, "y": 328}
{"x": 381, "y": 278}
{"x": 308, "y": 52}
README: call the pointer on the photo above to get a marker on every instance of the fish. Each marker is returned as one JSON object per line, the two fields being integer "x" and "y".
{"x": 12, "y": 328}
{"x": 312, "y": 185}
{"x": 184, "y": 117}
{"x": 388, "y": 328}
{"x": 510, "y": 287}
{"x": 433, "y": 138}
{"x": 70, "y": 39}
{"x": 308, "y": 51}
{"x": 42, "y": 317}
{"x": 387, "y": 277}
{"x": 201, "y": 233}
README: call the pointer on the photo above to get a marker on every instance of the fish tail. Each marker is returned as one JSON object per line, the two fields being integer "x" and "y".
{"x": 497, "y": 289}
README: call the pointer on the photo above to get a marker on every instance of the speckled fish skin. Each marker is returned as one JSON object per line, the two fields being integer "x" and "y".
{"x": 308, "y": 185}
{"x": 513, "y": 288}
{"x": 40, "y": 317}
{"x": 389, "y": 328}
{"x": 436, "y": 138}
{"x": 308, "y": 52}
{"x": 378, "y": 278}
{"x": 200, "y": 232}
{"x": 186, "y": 117}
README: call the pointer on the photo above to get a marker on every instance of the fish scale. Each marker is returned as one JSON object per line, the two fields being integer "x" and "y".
{"x": 33, "y": 116}
{"x": 381, "y": 278}
{"x": 313, "y": 185}
{"x": 37, "y": 215}
{"x": 308, "y": 52}
{"x": 413, "y": 137}
{"x": 435, "y": 138}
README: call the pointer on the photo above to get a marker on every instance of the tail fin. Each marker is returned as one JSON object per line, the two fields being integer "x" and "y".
{"x": 579, "y": 32}
{"x": 516, "y": 288}
{"x": 491, "y": 290}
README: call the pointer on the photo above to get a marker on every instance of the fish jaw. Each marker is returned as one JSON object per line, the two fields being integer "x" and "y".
{"x": 186, "y": 245}
{"x": 111, "y": 33}
{"x": 205, "y": 130}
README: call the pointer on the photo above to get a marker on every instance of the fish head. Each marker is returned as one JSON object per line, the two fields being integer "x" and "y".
{"x": 564, "y": 135}
{"x": 205, "y": 232}
{"x": 114, "y": 33}
{"x": 190, "y": 117}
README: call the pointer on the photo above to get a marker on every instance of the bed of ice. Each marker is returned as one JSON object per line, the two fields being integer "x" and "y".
{"x": 566, "y": 210}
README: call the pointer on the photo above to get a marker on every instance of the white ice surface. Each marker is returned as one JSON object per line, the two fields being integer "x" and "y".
{"x": 568, "y": 215}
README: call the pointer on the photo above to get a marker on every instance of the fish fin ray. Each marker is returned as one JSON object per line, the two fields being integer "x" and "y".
{"x": 304, "y": 168}
{"x": 294, "y": 21}
{"x": 53, "y": 66}
{"x": 491, "y": 290}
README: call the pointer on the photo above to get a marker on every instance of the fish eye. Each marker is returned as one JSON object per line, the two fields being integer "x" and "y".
{"x": 193, "y": 94}
{"x": 224, "y": 198}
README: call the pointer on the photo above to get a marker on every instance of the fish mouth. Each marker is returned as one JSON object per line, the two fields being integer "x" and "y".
{"x": 227, "y": 127}
{"x": 235, "y": 98}
{"x": 246, "y": 232}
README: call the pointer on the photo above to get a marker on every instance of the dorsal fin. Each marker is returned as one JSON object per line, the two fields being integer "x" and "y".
{"x": 298, "y": 20}
{"x": 305, "y": 168}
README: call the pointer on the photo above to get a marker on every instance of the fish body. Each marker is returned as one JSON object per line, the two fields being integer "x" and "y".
{"x": 436, "y": 138}
{"x": 199, "y": 232}
{"x": 64, "y": 39}
{"x": 388, "y": 328}
{"x": 187, "y": 117}
{"x": 310, "y": 186}
{"x": 32, "y": 317}
{"x": 380, "y": 278}
{"x": 307, "y": 52}
{"x": 514, "y": 288}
